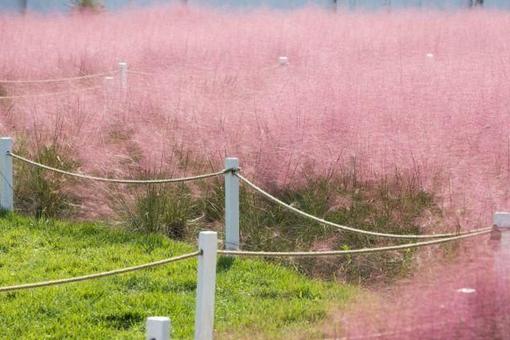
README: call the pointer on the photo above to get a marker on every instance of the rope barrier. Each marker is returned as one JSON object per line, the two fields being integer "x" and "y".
{"x": 352, "y": 251}
{"x": 205, "y": 69}
{"x": 98, "y": 275}
{"x": 51, "y": 94}
{"x": 57, "y": 80}
{"x": 120, "y": 181}
{"x": 140, "y": 73}
{"x": 346, "y": 228}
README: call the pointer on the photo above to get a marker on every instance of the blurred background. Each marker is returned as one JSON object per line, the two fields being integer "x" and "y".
{"x": 63, "y": 5}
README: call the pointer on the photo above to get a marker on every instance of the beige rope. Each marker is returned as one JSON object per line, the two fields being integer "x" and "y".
{"x": 343, "y": 227}
{"x": 51, "y": 94}
{"x": 120, "y": 181}
{"x": 141, "y": 73}
{"x": 98, "y": 275}
{"x": 352, "y": 251}
{"x": 57, "y": 80}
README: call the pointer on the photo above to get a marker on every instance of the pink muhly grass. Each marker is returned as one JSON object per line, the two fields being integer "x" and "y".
{"x": 422, "y": 92}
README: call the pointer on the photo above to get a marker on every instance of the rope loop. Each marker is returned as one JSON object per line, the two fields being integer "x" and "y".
{"x": 233, "y": 171}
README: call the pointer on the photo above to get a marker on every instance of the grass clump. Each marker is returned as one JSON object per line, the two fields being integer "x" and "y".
{"x": 162, "y": 209}
{"x": 252, "y": 297}
{"x": 42, "y": 193}
{"x": 391, "y": 205}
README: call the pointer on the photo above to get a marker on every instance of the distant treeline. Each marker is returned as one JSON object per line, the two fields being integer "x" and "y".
{"x": 63, "y": 5}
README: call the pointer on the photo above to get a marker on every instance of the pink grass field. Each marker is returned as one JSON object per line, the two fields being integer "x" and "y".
{"x": 422, "y": 92}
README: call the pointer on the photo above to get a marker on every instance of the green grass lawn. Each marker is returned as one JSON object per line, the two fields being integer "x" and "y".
{"x": 253, "y": 298}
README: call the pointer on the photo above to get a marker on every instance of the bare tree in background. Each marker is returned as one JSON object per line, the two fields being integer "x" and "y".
{"x": 23, "y": 5}
{"x": 475, "y": 3}
{"x": 87, "y": 5}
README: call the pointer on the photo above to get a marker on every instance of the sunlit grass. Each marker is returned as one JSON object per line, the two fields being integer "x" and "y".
{"x": 252, "y": 296}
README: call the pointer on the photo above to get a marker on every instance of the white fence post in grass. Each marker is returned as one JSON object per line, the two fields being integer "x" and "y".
{"x": 123, "y": 67}
{"x": 501, "y": 221}
{"x": 6, "y": 192}
{"x": 206, "y": 285}
{"x": 283, "y": 61}
{"x": 231, "y": 205}
{"x": 501, "y": 256}
{"x": 158, "y": 328}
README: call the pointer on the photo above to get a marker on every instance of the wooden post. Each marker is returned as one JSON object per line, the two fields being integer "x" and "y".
{"x": 206, "y": 285}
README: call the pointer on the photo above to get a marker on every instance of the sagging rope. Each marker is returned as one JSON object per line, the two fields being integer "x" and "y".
{"x": 141, "y": 73}
{"x": 98, "y": 275}
{"x": 51, "y": 94}
{"x": 347, "y": 228}
{"x": 351, "y": 251}
{"x": 203, "y": 69}
{"x": 58, "y": 80}
{"x": 119, "y": 181}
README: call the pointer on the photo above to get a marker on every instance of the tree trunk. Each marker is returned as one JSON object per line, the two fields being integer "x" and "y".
{"x": 23, "y": 5}
{"x": 474, "y": 3}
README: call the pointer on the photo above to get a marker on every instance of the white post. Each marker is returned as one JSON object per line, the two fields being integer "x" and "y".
{"x": 158, "y": 328}
{"x": 501, "y": 247}
{"x": 206, "y": 285}
{"x": 501, "y": 221}
{"x": 283, "y": 61}
{"x": 123, "y": 67}
{"x": 6, "y": 182}
{"x": 231, "y": 205}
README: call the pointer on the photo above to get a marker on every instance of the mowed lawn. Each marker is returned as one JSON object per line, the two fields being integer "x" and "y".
{"x": 254, "y": 298}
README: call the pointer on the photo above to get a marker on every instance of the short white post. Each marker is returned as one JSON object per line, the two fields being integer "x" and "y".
{"x": 206, "y": 285}
{"x": 283, "y": 61}
{"x": 501, "y": 222}
{"x": 231, "y": 205}
{"x": 501, "y": 256}
{"x": 123, "y": 68}
{"x": 158, "y": 328}
{"x": 6, "y": 180}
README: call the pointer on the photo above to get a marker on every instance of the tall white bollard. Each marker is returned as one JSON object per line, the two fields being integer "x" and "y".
{"x": 158, "y": 328}
{"x": 206, "y": 285}
{"x": 231, "y": 205}
{"x": 123, "y": 69}
{"x": 6, "y": 181}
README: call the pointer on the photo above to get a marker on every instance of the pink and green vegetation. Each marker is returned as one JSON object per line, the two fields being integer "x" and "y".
{"x": 421, "y": 93}
{"x": 391, "y": 122}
